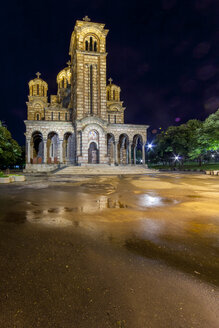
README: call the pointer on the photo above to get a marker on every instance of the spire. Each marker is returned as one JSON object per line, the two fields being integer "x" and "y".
{"x": 110, "y": 80}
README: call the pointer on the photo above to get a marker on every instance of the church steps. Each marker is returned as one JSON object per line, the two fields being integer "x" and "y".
{"x": 103, "y": 169}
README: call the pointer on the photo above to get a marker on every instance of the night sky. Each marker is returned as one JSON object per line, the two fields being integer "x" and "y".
{"x": 162, "y": 53}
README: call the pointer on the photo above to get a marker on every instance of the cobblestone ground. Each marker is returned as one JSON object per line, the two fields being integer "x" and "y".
{"x": 99, "y": 252}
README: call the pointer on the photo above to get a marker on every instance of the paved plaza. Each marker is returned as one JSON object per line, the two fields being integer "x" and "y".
{"x": 112, "y": 251}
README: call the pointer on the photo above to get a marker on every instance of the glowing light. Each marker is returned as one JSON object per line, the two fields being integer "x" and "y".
{"x": 177, "y": 157}
{"x": 150, "y": 146}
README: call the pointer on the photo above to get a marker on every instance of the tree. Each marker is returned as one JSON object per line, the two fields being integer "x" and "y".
{"x": 206, "y": 138}
{"x": 10, "y": 151}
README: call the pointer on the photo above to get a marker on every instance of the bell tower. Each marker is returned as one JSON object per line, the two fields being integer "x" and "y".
{"x": 88, "y": 69}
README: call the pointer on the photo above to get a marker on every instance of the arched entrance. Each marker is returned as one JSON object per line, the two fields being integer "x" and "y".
{"x": 93, "y": 153}
{"x": 138, "y": 149}
{"x": 37, "y": 148}
{"x": 53, "y": 148}
{"x": 68, "y": 148}
{"x": 123, "y": 149}
{"x": 110, "y": 147}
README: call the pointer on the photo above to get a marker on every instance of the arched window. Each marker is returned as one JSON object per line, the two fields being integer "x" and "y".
{"x": 37, "y": 117}
{"x": 108, "y": 95}
{"x": 114, "y": 95}
{"x": 38, "y": 89}
{"x": 95, "y": 46}
{"x": 86, "y": 45}
{"x": 43, "y": 92}
{"x": 63, "y": 83}
{"x": 114, "y": 118}
{"x": 91, "y": 44}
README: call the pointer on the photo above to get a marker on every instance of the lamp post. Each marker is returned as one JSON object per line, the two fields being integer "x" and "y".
{"x": 149, "y": 147}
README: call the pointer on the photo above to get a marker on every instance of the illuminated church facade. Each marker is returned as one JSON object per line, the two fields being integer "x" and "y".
{"x": 84, "y": 122}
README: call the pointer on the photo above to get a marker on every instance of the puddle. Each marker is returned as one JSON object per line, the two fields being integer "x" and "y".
{"x": 153, "y": 200}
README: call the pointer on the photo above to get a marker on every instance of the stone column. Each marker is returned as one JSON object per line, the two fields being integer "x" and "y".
{"x": 28, "y": 151}
{"x": 143, "y": 153}
{"x": 134, "y": 155}
{"x": 127, "y": 154}
{"x": 130, "y": 153}
{"x": 60, "y": 151}
{"x": 116, "y": 152}
{"x": 45, "y": 151}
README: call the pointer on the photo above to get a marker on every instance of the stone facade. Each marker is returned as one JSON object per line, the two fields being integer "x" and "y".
{"x": 84, "y": 122}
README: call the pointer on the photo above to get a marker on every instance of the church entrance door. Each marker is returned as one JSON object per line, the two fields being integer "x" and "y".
{"x": 93, "y": 154}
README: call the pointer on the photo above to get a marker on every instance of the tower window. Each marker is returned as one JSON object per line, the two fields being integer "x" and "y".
{"x": 59, "y": 116}
{"x": 91, "y": 89}
{"x": 91, "y": 44}
{"x": 38, "y": 89}
{"x": 114, "y": 94}
{"x": 95, "y": 46}
{"x": 32, "y": 90}
{"x": 52, "y": 116}
{"x": 108, "y": 95}
{"x": 114, "y": 118}
{"x": 66, "y": 116}
{"x": 38, "y": 117}
{"x": 108, "y": 118}
{"x": 43, "y": 92}
{"x": 63, "y": 83}
{"x": 86, "y": 45}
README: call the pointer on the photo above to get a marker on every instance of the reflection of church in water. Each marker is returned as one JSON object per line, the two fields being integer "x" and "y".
{"x": 84, "y": 122}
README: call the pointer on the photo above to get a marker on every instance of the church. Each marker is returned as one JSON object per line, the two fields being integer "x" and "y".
{"x": 84, "y": 122}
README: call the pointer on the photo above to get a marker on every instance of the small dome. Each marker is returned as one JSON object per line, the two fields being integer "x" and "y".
{"x": 64, "y": 77}
{"x": 38, "y": 87}
{"x": 112, "y": 91}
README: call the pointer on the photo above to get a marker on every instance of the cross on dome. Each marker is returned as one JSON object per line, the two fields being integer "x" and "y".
{"x": 68, "y": 63}
{"x": 110, "y": 80}
{"x": 38, "y": 74}
{"x": 86, "y": 19}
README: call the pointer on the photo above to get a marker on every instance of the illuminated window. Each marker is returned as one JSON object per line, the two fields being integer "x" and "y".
{"x": 114, "y": 118}
{"x": 86, "y": 45}
{"x": 38, "y": 89}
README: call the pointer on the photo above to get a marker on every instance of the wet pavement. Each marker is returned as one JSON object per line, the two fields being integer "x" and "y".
{"x": 99, "y": 252}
